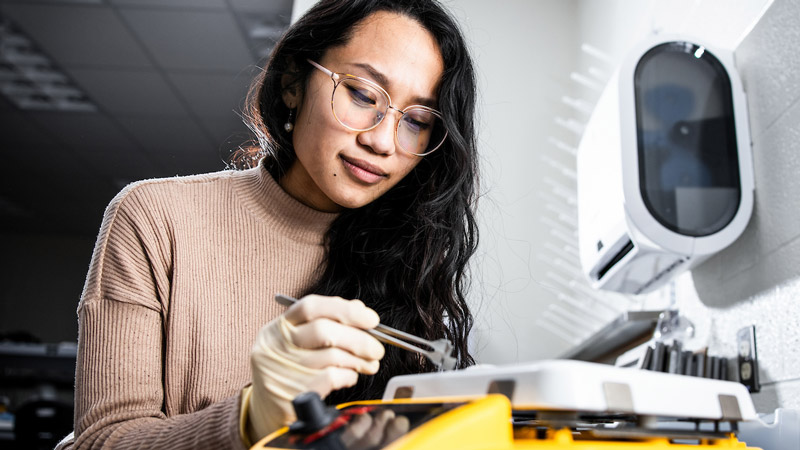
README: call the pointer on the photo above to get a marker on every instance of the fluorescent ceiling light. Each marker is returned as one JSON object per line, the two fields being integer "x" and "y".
{"x": 31, "y": 81}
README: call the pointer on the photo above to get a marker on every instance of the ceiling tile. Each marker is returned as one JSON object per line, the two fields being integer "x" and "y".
{"x": 6, "y": 106}
{"x": 270, "y": 8}
{"x": 55, "y": 166}
{"x": 129, "y": 91}
{"x": 100, "y": 142}
{"x": 166, "y": 135}
{"x": 88, "y": 132}
{"x": 54, "y": 211}
{"x": 229, "y": 134}
{"x": 78, "y": 35}
{"x": 193, "y": 4}
{"x": 179, "y": 145}
{"x": 18, "y": 129}
{"x": 211, "y": 94}
{"x": 65, "y": 196}
{"x": 123, "y": 165}
{"x": 263, "y": 32}
{"x": 191, "y": 40}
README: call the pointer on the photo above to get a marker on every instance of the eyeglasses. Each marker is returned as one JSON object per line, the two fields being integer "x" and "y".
{"x": 361, "y": 105}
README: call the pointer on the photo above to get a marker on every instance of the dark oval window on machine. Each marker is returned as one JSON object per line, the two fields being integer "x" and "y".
{"x": 688, "y": 159}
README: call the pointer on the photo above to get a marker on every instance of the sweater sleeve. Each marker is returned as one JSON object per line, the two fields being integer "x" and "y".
{"x": 119, "y": 392}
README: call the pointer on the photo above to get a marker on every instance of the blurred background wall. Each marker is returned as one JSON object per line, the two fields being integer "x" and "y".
{"x": 532, "y": 300}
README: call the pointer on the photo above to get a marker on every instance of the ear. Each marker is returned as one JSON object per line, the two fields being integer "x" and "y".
{"x": 290, "y": 86}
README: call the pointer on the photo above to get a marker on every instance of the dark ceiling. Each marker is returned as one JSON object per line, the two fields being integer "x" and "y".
{"x": 166, "y": 79}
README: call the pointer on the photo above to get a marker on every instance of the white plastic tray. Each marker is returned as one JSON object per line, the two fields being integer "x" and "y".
{"x": 562, "y": 385}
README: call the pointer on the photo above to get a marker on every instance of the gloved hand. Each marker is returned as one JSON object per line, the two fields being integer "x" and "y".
{"x": 318, "y": 344}
{"x": 366, "y": 432}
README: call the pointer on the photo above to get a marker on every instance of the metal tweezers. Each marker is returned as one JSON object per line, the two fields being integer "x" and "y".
{"x": 441, "y": 349}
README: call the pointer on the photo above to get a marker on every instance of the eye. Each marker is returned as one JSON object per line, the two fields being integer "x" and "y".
{"x": 417, "y": 122}
{"x": 361, "y": 95}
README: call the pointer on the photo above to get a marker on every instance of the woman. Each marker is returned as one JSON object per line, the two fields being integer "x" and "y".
{"x": 365, "y": 191}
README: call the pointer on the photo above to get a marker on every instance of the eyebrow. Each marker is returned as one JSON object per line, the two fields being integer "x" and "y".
{"x": 383, "y": 81}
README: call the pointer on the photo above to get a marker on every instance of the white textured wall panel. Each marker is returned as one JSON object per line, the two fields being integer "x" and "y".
{"x": 770, "y": 64}
{"x": 785, "y": 394}
{"x": 757, "y": 279}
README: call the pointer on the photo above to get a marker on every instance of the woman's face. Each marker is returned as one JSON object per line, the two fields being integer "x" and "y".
{"x": 338, "y": 168}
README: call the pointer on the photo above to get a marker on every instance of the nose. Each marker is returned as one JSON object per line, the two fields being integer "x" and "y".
{"x": 381, "y": 138}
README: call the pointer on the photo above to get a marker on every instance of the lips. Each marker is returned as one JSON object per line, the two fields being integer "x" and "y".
{"x": 363, "y": 170}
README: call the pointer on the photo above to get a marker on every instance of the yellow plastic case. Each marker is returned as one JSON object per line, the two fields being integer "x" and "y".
{"x": 485, "y": 424}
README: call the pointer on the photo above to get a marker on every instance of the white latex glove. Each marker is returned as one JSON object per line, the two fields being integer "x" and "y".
{"x": 367, "y": 432}
{"x": 318, "y": 344}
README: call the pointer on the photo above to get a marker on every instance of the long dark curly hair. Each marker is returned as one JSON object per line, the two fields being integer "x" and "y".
{"x": 405, "y": 254}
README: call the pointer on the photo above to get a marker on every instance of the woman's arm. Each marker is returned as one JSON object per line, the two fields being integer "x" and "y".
{"x": 120, "y": 392}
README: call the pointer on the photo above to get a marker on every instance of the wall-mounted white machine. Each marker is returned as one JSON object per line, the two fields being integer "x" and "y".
{"x": 665, "y": 173}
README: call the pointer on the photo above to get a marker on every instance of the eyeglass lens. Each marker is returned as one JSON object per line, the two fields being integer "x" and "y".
{"x": 360, "y": 106}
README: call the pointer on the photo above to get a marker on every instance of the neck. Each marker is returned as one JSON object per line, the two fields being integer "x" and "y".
{"x": 298, "y": 184}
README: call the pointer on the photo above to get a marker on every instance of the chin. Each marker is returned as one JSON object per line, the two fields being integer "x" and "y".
{"x": 352, "y": 204}
{"x": 355, "y": 200}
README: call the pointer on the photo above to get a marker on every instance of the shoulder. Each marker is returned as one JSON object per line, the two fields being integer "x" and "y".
{"x": 167, "y": 187}
{"x": 139, "y": 230}
{"x": 153, "y": 204}
{"x": 165, "y": 194}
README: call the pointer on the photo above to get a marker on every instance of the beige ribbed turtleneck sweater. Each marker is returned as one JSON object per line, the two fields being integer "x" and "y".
{"x": 182, "y": 277}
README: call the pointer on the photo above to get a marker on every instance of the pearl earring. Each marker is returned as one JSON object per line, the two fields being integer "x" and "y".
{"x": 289, "y": 126}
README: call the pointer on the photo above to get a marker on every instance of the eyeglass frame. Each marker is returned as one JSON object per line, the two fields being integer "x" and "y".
{"x": 337, "y": 79}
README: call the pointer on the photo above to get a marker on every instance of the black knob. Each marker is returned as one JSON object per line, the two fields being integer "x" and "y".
{"x": 312, "y": 413}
